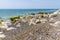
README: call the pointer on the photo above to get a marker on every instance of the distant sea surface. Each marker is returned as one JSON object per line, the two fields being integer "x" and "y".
{"x": 6, "y": 13}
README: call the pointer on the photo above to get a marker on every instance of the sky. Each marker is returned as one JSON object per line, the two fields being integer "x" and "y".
{"x": 29, "y": 4}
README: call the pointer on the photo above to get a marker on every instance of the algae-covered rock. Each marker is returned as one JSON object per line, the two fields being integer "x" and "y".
{"x": 43, "y": 14}
{"x": 14, "y": 19}
{"x": 1, "y": 21}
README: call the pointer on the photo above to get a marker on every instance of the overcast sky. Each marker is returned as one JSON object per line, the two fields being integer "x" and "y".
{"x": 28, "y": 4}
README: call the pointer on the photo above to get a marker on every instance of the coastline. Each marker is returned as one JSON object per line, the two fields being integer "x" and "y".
{"x": 34, "y": 26}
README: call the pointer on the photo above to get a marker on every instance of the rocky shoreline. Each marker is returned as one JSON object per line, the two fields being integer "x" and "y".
{"x": 34, "y": 27}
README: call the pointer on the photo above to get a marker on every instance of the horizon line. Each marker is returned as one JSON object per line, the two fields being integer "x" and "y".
{"x": 29, "y": 8}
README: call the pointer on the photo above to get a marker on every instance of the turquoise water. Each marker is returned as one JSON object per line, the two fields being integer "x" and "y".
{"x": 6, "y": 13}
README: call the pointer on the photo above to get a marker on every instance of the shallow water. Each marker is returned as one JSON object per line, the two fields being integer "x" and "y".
{"x": 6, "y": 13}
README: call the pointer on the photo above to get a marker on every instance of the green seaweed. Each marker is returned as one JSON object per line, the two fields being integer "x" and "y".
{"x": 13, "y": 19}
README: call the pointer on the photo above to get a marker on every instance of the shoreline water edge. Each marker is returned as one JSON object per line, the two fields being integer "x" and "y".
{"x": 7, "y": 13}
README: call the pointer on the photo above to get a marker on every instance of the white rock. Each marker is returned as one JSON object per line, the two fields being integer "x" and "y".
{"x": 11, "y": 28}
{"x": 32, "y": 21}
{"x": 37, "y": 20}
{"x": 2, "y": 36}
{"x": 3, "y": 26}
{"x": 52, "y": 20}
{"x": 1, "y": 32}
{"x": 30, "y": 34}
{"x": 18, "y": 25}
{"x": 43, "y": 20}
{"x": 58, "y": 33}
{"x": 56, "y": 24}
{"x": 8, "y": 22}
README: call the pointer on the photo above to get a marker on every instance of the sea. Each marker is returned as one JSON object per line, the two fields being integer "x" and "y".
{"x": 7, "y": 13}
